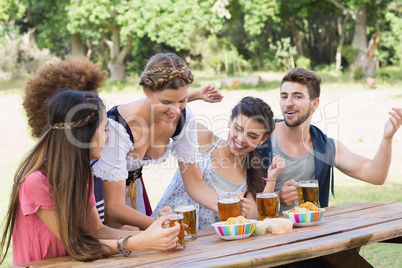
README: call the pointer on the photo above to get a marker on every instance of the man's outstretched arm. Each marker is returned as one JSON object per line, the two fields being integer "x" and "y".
{"x": 375, "y": 170}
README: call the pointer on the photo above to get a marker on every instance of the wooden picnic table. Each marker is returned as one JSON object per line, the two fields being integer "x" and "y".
{"x": 335, "y": 240}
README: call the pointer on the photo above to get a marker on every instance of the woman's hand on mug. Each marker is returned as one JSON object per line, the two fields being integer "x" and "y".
{"x": 156, "y": 237}
{"x": 165, "y": 209}
{"x": 245, "y": 206}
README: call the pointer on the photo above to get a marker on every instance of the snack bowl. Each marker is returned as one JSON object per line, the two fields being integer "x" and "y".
{"x": 234, "y": 231}
{"x": 306, "y": 218}
{"x": 279, "y": 225}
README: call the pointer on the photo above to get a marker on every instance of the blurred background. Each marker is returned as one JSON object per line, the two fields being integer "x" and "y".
{"x": 219, "y": 36}
{"x": 354, "y": 45}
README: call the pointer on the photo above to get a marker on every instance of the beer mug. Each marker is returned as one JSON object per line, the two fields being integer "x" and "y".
{"x": 267, "y": 205}
{"x": 228, "y": 206}
{"x": 308, "y": 191}
{"x": 190, "y": 218}
{"x": 176, "y": 217}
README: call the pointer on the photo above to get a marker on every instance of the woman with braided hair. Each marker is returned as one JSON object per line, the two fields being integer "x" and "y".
{"x": 80, "y": 74}
{"x": 233, "y": 165}
{"x": 52, "y": 205}
{"x": 145, "y": 132}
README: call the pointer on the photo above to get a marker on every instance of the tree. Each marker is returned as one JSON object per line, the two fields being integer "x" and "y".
{"x": 48, "y": 19}
{"x": 364, "y": 60}
{"x": 118, "y": 23}
{"x": 393, "y": 36}
{"x": 341, "y": 26}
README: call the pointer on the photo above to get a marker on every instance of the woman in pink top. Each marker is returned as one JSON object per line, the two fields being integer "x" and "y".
{"x": 52, "y": 207}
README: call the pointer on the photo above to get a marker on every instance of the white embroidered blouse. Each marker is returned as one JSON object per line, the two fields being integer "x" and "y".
{"x": 115, "y": 163}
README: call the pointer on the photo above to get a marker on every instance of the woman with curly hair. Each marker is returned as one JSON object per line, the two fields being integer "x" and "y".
{"x": 52, "y": 210}
{"x": 79, "y": 74}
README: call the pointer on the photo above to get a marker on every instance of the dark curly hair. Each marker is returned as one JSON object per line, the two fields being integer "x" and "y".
{"x": 79, "y": 74}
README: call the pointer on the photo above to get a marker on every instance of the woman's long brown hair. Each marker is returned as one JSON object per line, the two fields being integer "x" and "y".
{"x": 255, "y": 109}
{"x": 64, "y": 152}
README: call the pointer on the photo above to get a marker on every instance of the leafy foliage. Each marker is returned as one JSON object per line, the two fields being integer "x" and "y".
{"x": 222, "y": 35}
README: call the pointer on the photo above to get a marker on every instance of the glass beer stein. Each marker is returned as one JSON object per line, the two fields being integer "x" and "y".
{"x": 308, "y": 191}
{"x": 190, "y": 218}
{"x": 267, "y": 205}
{"x": 228, "y": 206}
{"x": 176, "y": 217}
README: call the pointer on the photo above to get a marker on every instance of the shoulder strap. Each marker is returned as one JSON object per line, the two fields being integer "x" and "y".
{"x": 180, "y": 124}
{"x": 324, "y": 153}
{"x": 116, "y": 116}
{"x": 212, "y": 147}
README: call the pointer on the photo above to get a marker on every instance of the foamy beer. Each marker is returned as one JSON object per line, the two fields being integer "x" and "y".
{"x": 228, "y": 206}
{"x": 308, "y": 191}
{"x": 267, "y": 205}
{"x": 176, "y": 217}
{"x": 190, "y": 218}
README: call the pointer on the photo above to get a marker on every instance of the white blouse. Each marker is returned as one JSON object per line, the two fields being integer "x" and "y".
{"x": 115, "y": 163}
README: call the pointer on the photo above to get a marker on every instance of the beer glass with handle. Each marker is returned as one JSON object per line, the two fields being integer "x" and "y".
{"x": 176, "y": 217}
{"x": 190, "y": 218}
{"x": 228, "y": 206}
{"x": 267, "y": 205}
{"x": 308, "y": 191}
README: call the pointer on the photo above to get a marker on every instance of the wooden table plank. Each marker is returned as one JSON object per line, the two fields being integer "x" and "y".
{"x": 299, "y": 251}
{"x": 354, "y": 206}
{"x": 336, "y": 225}
{"x": 347, "y": 218}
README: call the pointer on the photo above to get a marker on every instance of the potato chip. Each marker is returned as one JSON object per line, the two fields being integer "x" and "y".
{"x": 305, "y": 207}
{"x": 236, "y": 220}
{"x": 310, "y": 206}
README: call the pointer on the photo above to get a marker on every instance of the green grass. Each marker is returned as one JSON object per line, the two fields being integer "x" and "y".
{"x": 349, "y": 190}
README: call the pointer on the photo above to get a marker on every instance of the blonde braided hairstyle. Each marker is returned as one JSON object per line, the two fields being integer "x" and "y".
{"x": 166, "y": 71}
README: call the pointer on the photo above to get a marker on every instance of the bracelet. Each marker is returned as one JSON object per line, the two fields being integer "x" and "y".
{"x": 271, "y": 180}
{"x": 125, "y": 254}
{"x": 119, "y": 245}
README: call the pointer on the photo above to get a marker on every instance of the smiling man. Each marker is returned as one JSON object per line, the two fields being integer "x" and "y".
{"x": 308, "y": 152}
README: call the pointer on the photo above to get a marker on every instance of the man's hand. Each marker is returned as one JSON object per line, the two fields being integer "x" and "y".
{"x": 288, "y": 194}
{"x": 393, "y": 124}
